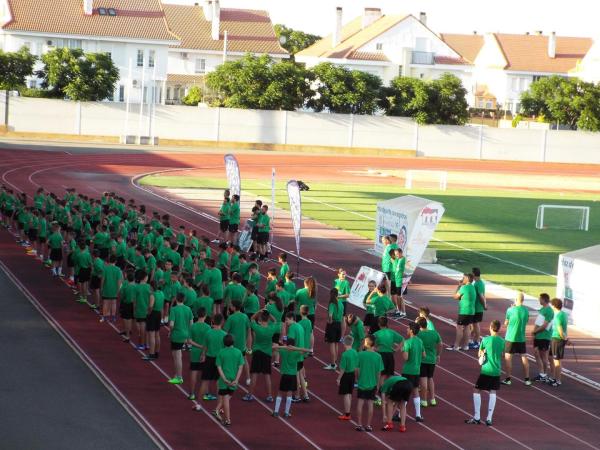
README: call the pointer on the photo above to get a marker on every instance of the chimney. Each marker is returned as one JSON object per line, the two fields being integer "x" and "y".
{"x": 207, "y": 8}
{"x": 474, "y": 32}
{"x": 87, "y": 7}
{"x": 337, "y": 31}
{"x": 216, "y": 20}
{"x": 370, "y": 15}
{"x": 539, "y": 32}
{"x": 552, "y": 45}
{"x": 423, "y": 18}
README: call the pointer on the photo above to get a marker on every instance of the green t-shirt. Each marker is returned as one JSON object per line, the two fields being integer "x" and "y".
{"x": 296, "y": 332}
{"x": 357, "y": 329}
{"x": 263, "y": 336}
{"x": 224, "y": 211}
{"x": 181, "y": 316}
{"x": 386, "y": 338}
{"x": 349, "y": 361}
{"x": 206, "y": 303}
{"x": 234, "y": 213}
{"x": 234, "y": 291}
{"x": 229, "y": 359}
{"x": 215, "y": 283}
{"x": 414, "y": 348}
{"x": 308, "y": 329}
{"x": 159, "y": 300}
{"x": 264, "y": 220}
{"x": 251, "y": 304}
{"x": 517, "y": 317}
{"x": 343, "y": 288}
{"x": 336, "y": 311}
{"x": 127, "y": 293}
{"x": 398, "y": 266}
{"x": 198, "y": 334}
{"x": 560, "y": 320}
{"x": 430, "y": 339}
{"x": 285, "y": 268}
{"x": 110, "y": 281}
{"x": 386, "y": 259}
{"x": 494, "y": 349}
{"x": 98, "y": 268}
{"x": 238, "y": 325}
{"x": 466, "y": 304}
{"x": 370, "y": 366}
{"x": 382, "y": 304}
{"x": 83, "y": 259}
{"x": 291, "y": 288}
{"x": 388, "y": 384}
{"x": 213, "y": 341}
{"x": 223, "y": 260}
{"x": 55, "y": 241}
{"x": 548, "y": 314}
{"x": 285, "y": 297}
{"x": 479, "y": 286}
{"x": 289, "y": 361}
{"x": 142, "y": 300}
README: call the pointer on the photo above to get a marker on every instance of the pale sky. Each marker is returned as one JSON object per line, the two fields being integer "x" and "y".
{"x": 567, "y": 18}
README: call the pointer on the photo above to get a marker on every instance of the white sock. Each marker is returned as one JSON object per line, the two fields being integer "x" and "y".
{"x": 543, "y": 374}
{"x": 54, "y": 270}
{"x": 476, "y": 406}
{"x": 288, "y": 404}
{"x": 417, "y": 402}
{"x": 277, "y": 404}
{"x": 491, "y": 407}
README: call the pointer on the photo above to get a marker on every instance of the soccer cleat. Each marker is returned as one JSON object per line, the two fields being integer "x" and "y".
{"x": 506, "y": 381}
{"x": 176, "y": 380}
{"x": 473, "y": 421}
{"x": 388, "y": 427}
{"x": 419, "y": 419}
{"x": 433, "y": 402}
{"x": 345, "y": 417}
{"x": 402, "y": 429}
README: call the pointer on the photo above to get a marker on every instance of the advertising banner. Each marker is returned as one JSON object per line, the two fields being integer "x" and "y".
{"x": 232, "y": 169}
{"x": 360, "y": 287}
{"x": 295, "y": 210}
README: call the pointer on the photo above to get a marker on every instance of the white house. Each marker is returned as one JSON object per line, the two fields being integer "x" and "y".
{"x": 134, "y": 32}
{"x": 387, "y": 46}
{"x": 210, "y": 35}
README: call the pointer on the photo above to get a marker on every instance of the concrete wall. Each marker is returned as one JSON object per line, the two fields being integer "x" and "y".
{"x": 302, "y": 128}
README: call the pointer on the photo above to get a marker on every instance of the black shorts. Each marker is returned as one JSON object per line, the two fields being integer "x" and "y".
{"x": 487, "y": 383}
{"x": 333, "y": 332}
{"x": 84, "y": 275}
{"x": 224, "y": 225}
{"x": 32, "y": 234}
{"x": 224, "y": 274}
{"x": 233, "y": 227}
{"x": 121, "y": 263}
{"x": 300, "y": 366}
{"x": 389, "y": 365}
{"x": 346, "y": 384}
{"x": 369, "y": 320}
{"x": 140, "y": 319}
{"x": 42, "y": 240}
{"x": 400, "y": 391}
{"x": 427, "y": 370}
{"x": 288, "y": 383}
{"x": 366, "y": 394}
{"x": 175, "y": 345}
{"x": 104, "y": 253}
{"x": 262, "y": 238}
{"x": 518, "y": 348}
{"x": 393, "y": 288}
{"x": 464, "y": 319}
{"x": 254, "y": 233}
{"x": 541, "y": 344}
{"x": 126, "y": 311}
{"x": 153, "y": 321}
{"x": 70, "y": 262}
{"x": 557, "y": 348}
{"x": 95, "y": 282}
{"x": 261, "y": 363}
{"x": 414, "y": 379}
{"x": 226, "y": 392}
{"x": 276, "y": 338}
{"x": 478, "y": 317}
{"x": 218, "y": 301}
{"x": 56, "y": 254}
{"x": 197, "y": 366}
{"x": 209, "y": 371}
{"x": 374, "y": 328}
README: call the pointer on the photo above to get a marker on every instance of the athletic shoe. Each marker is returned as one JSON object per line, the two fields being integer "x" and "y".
{"x": 466, "y": 348}
{"x": 305, "y": 399}
{"x": 217, "y": 414}
{"x": 209, "y": 397}
{"x": 402, "y": 429}
{"x": 197, "y": 407}
{"x": 102, "y": 319}
{"x": 274, "y": 414}
{"x": 275, "y": 364}
{"x": 215, "y": 241}
{"x": 176, "y": 380}
{"x": 287, "y": 415}
{"x": 81, "y": 300}
{"x": 506, "y": 381}
{"x": 488, "y": 423}
{"x": 377, "y": 402}
{"x": 453, "y": 349}
{"x": 140, "y": 347}
{"x": 396, "y": 417}
{"x": 269, "y": 399}
{"x": 368, "y": 428}
{"x": 248, "y": 381}
{"x": 330, "y": 367}
{"x": 419, "y": 419}
{"x": 473, "y": 421}
{"x": 388, "y": 427}
{"x": 528, "y": 382}
{"x": 433, "y": 402}
{"x": 248, "y": 398}
{"x": 556, "y": 384}
{"x": 360, "y": 428}
{"x": 402, "y": 314}
{"x": 94, "y": 306}
{"x": 296, "y": 399}
{"x": 473, "y": 346}
{"x": 550, "y": 380}
{"x": 541, "y": 378}
{"x": 424, "y": 403}
{"x": 226, "y": 423}
{"x": 191, "y": 397}
{"x": 345, "y": 417}
{"x": 148, "y": 358}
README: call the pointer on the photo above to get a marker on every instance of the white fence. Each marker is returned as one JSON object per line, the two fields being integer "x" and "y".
{"x": 300, "y": 128}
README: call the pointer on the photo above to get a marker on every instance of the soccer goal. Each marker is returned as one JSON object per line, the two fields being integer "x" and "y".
{"x": 563, "y": 217}
{"x": 429, "y": 179}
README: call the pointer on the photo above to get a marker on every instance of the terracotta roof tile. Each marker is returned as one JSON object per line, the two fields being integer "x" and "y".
{"x": 247, "y": 30}
{"x": 185, "y": 79}
{"x": 466, "y": 45}
{"x": 136, "y": 19}
{"x": 369, "y": 56}
{"x": 450, "y": 60}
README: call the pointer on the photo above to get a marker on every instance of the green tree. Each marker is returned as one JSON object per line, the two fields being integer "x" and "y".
{"x": 15, "y": 67}
{"x": 339, "y": 90}
{"x": 406, "y": 97}
{"x": 78, "y": 75}
{"x": 257, "y": 82}
{"x": 293, "y": 40}
{"x": 448, "y": 101}
{"x": 193, "y": 97}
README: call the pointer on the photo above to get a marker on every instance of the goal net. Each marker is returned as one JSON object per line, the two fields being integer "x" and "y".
{"x": 426, "y": 179}
{"x": 563, "y": 217}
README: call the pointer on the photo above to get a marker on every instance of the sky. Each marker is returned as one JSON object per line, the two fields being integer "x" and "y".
{"x": 579, "y": 18}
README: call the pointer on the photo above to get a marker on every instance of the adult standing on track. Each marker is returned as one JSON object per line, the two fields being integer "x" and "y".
{"x": 559, "y": 340}
{"x": 386, "y": 261}
{"x": 224, "y": 212}
{"x": 264, "y": 228}
{"x": 398, "y": 267}
{"x": 516, "y": 320}
{"x": 542, "y": 334}
{"x": 343, "y": 287}
{"x": 480, "y": 307}
{"x": 234, "y": 219}
{"x": 465, "y": 294}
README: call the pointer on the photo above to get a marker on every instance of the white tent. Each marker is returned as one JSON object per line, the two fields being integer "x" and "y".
{"x": 413, "y": 219}
{"x": 577, "y": 287}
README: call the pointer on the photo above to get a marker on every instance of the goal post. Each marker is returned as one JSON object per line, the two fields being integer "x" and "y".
{"x": 415, "y": 179}
{"x": 565, "y": 217}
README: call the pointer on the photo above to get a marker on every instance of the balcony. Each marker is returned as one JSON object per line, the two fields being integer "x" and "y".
{"x": 425, "y": 58}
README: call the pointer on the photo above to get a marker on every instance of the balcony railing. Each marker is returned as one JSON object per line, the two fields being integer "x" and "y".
{"x": 422, "y": 58}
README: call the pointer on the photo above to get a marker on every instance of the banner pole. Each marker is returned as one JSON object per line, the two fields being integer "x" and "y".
{"x": 272, "y": 206}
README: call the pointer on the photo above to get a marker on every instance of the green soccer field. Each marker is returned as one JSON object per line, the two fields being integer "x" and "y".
{"x": 492, "y": 229}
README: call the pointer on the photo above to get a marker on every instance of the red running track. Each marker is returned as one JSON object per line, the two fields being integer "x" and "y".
{"x": 525, "y": 417}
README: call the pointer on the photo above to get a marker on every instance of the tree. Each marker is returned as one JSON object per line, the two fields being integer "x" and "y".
{"x": 257, "y": 82}
{"x": 448, "y": 101}
{"x": 339, "y": 90}
{"x": 15, "y": 67}
{"x": 293, "y": 40}
{"x": 78, "y": 75}
{"x": 193, "y": 97}
{"x": 406, "y": 97}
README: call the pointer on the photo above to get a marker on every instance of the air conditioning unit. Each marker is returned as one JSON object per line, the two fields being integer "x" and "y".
{"x": 135, "y": 83}
{"x": 49, "y": 43}
{"x": 184, "y": 55}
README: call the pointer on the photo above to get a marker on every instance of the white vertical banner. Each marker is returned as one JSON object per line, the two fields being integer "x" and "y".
{"x": 295, "y": 211}
{"x": 232, "y": 169}
{"x": 272, "y": 204}
{"x": 360, "y": 287}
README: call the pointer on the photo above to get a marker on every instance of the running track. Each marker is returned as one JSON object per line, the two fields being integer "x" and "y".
{"x": 525, "y": 417}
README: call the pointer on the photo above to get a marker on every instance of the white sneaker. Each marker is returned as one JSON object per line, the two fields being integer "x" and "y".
{"x": 248, "y": 381}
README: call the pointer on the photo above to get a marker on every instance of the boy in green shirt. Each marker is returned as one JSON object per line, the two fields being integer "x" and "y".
{"x": 213, "y": 343}
{"x": 413, "y": 353}
{"x": 157, "y": 302}
{"x": 387, "y": 342}
{"x": 290, "y": 356}
{"x": 197, "y": 336}
{"x": 490, "y": 359}
{"x": 251, "y": 304}
{"x": 398, "y": 265}
{"x": 516, "y": 320}
{"x": 347, "y": 375}
{"x": 480, "y": 307}
{"x": 465, "y": 294}
{"x": 542, "y": 334}
{"x": 83, "y": 260}
{"x": 110, "y": 286}
{"x": 229, "y": 365}
{"x": 141, "y": 300}
{"x": 395, "y": 393}
{"x": 343, "y": 287}
{"x": 432, "y": 345}
{"x": 234, "y": 218}
{"x": 370, "y": 366}
{"x": 180, "y": 322}
{"x": 126, "y": 299}
{"x": 238, "y": 325}
{"x": 559, "y": 340}
{"x": 380, "y": 304}
{"x": 357, "y": 330}
{"x": 55, "y": 244}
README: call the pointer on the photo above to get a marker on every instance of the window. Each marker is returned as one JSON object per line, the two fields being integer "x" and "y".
{"x": 379, "y": 46}
{"x": 32, "y": 84}
{"x": 488, "y": 105}
{"x": 480, "y": 104}
{"x": 400, "y": 69}
{"x": 121, "y": 93}
{"x": 200, "y": 65}
{"x": 140, "y": 58}
{"x": 112, "y": 12}
{"x": 168, "y": 93}
{"x": 109, "y": 54}
{"x": 151, "y": 55}
{"x": 73, "y": 43}
{"x": 145, "y": 95}
{"x": 517, "y": 107}
{"x": 102, "y": 11}
{"x": 538, "y": 77}
{"x": 514, "y": 84}
{"x": 176, "y": 93}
